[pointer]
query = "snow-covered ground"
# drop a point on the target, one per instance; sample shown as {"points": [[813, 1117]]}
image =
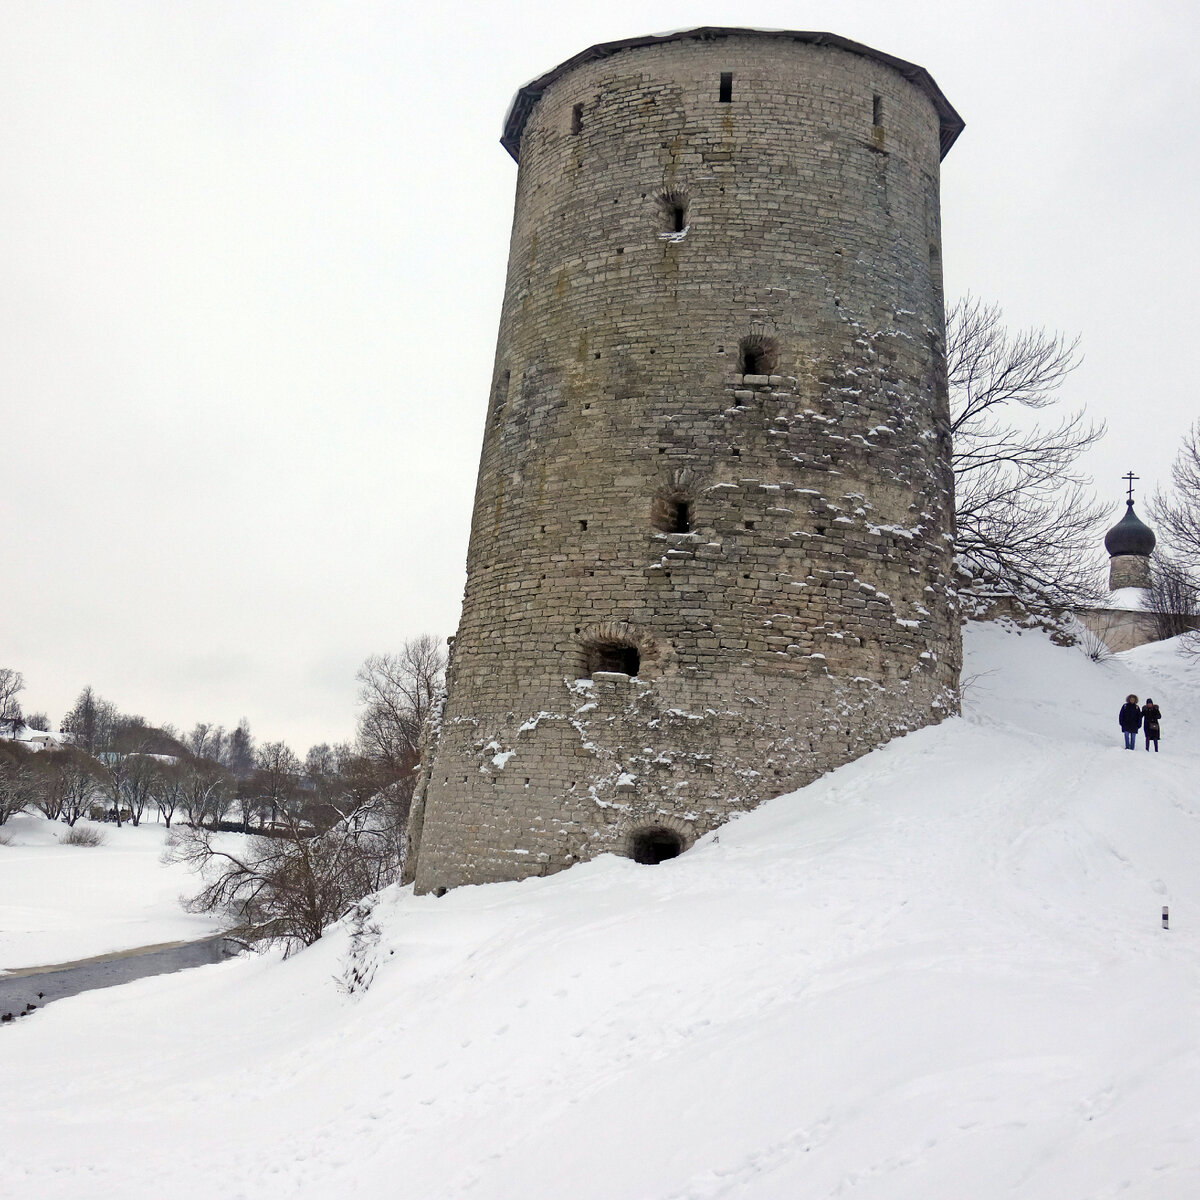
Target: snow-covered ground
{"points": [[939, 972], [61, 903]]}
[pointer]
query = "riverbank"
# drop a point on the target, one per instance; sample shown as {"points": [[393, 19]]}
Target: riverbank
{"points": [[60, 904]]}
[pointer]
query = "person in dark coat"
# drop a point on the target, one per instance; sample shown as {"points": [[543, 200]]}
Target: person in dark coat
{"points": [[1131, 721], [1151, 715]]}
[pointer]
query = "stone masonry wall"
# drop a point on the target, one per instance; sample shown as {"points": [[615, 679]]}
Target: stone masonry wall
{"points": [[772, 538]]}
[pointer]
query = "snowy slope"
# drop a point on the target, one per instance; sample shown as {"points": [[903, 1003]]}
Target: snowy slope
{"points": [[940, 972]]}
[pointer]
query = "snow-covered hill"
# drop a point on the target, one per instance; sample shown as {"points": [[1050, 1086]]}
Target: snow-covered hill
{"points": [[939, 972]]}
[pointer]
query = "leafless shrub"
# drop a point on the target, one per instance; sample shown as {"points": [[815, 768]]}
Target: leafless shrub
{"points": [[1093, 644], [82, 835], [284, 889]]}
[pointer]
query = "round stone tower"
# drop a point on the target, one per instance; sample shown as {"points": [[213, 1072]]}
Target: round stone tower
{"points": [[711, 549]]}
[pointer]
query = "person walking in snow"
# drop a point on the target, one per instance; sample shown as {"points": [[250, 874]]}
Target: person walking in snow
{"points": [[1131, 721], [1151, 715]]}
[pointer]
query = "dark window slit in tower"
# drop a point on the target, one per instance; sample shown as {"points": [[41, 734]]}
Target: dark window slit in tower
{"points": [[672, 514], [577, 119], [877, 111], [726, 93], [674, 203], [757, 355], [680, 516], [613, 656], [582, 526]]}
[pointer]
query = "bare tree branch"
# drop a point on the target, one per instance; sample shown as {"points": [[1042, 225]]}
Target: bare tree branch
{"points": [[1026, 521]]}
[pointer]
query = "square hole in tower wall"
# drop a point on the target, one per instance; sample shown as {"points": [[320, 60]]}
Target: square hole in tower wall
{"points": [[671, 514], [757, 355], [612, 656]]}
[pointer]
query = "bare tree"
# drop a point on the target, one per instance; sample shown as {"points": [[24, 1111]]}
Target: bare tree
{"points": [[1177, 513], [18, 786], [239, 751], [1174, 599], [204, 789], [207, 741], [283, 889], [397, 692], [67, 783], [1026, 520], [12, 683], [141, 783], [1174, 577], [277, 776], [91, 722], [168, 789]]}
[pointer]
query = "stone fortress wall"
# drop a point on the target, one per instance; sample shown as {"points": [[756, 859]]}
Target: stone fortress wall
{"points": [[710, 555]]}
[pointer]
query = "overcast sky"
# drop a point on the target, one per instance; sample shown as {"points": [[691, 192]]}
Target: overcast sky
{"points": [[253, 255]]}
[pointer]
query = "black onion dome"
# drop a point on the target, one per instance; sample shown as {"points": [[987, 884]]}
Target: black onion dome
{"points": [[1129, 535]]}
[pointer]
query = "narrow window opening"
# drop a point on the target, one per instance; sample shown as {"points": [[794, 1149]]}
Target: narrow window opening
{"points": [[672, 513], [749, 524], [655, 845], [577, 118], [622, 657], [757, 355], [726, 93], [583, 527], [877, 111], [674, 203]]}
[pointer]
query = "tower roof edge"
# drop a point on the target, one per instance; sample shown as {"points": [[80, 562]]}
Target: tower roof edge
{"points": [[951, 124]]}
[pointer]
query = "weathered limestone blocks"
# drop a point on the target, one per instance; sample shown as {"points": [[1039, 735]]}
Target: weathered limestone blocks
{"points": [[710, 555]]}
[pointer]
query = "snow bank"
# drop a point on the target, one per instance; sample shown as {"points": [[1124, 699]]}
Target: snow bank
{"points": [[938, 972]]}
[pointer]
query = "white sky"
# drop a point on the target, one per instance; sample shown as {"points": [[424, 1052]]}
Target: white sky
{"points": [[253, 256]]}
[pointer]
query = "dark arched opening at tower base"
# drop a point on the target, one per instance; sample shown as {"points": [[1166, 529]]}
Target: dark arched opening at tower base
{"points": [[654, 845]]}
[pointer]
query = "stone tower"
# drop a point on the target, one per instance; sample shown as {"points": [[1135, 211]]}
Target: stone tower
{"points": [[710, 555]]}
